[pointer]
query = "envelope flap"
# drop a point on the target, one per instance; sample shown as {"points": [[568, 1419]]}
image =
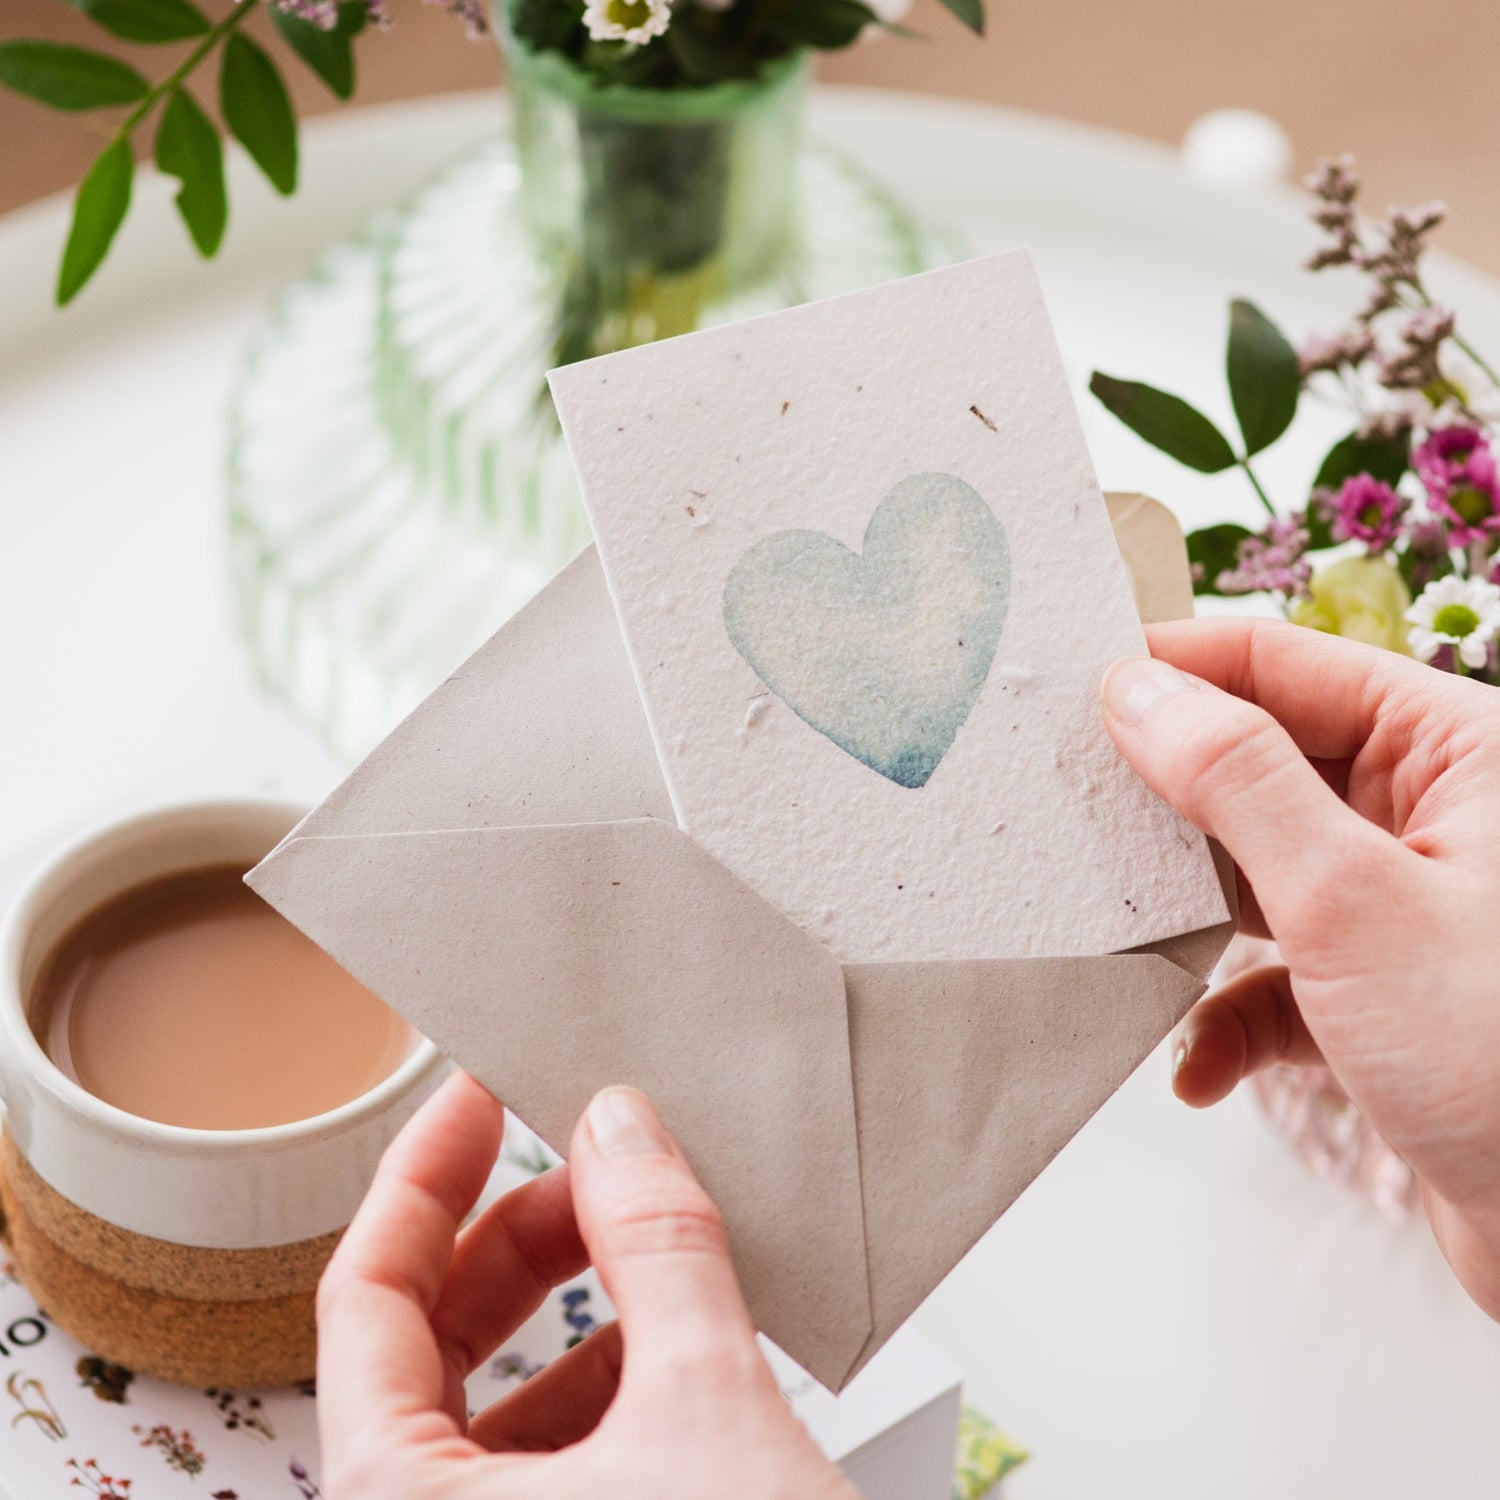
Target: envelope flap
{"points": [[551, 961], [969, 1078], [1155, 555], [542, 724]]}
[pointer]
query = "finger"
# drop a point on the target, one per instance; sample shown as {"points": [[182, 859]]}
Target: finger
{"points": [[1229, 768], [655, 1236], [378, 1360], [1327, 692], [560, 1406], [1252, 920], [1249, 1024], [505, 1265], [1336, 775]]}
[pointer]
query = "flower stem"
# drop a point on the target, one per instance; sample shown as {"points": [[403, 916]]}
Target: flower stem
{"points": [[221, 28], [1459, 339], [1265, 499]]}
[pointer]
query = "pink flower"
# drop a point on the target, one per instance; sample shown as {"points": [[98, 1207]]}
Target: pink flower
{"points": [[1365, 510], [1458, 468], [1335, 351], [1272, 560]]}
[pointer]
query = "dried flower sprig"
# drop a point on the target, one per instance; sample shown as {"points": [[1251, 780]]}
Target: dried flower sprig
{"points": [[1408, 503]]}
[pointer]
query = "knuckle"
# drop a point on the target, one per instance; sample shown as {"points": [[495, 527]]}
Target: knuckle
{"points": [[356, 1473], [1228, 756], [719, 1368], [662, 1217]]}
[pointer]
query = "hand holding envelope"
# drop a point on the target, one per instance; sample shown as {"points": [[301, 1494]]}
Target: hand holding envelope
{"points": [[870, 1019]]}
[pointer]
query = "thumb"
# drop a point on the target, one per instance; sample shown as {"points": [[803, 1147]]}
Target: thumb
{"points": [[655, 1236], [1230, 769]]}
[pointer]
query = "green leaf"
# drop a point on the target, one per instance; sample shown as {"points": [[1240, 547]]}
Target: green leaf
{"points": [[328, 53], [1417, 571], [1166, 422], [1215, 550], [827, 24], [1264, 383], [700, 53], [1384, 458], [257, 109], [69, 77], [146, 20], [1319, 526], [187, 148], [970, 12], [99, 209], [544, 25]]}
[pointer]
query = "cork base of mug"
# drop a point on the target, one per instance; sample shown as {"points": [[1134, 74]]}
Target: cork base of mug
{"points": [[238, 1318]]}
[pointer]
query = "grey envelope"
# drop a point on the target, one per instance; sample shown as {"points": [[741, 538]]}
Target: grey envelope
{"points": [[505, 871]]}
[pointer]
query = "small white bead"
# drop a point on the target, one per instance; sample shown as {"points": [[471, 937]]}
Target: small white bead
{"points": [[1237, 148]]}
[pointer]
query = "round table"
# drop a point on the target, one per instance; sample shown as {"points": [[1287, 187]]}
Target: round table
{"points": [[1176, 1307]]}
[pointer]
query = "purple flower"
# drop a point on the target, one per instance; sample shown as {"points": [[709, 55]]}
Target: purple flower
{"points": [[1273, 560], [1365, 510], [1331, 352], [1458, 468]]}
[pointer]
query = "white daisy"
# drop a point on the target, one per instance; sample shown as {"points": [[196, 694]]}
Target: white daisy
{"points": [[1460, 612], [627, 20], [887, 13]]}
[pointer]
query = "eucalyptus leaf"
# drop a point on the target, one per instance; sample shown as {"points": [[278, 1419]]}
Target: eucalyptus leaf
{"points": [[826, 24], [257, 109], [188, 148], [1264, 382], [147, 20], [328, 53], [1214, 549], [102, 201], [1384, 458], [970, 12], [1166, 422], [69, 77]]}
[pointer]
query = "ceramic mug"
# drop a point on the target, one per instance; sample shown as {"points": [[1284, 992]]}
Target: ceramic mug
{"points": [[191, 1255]]}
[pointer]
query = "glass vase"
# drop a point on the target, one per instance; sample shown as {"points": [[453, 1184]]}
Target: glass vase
{"points": [[398, 484], [657, 208]]}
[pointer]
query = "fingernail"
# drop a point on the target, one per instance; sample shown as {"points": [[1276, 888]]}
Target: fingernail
{"points": [[1179, 1058], [1134, 686], [623, 1123]]}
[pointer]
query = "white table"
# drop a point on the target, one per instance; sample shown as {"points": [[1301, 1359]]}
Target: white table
{"points": [[1175, 1309]]}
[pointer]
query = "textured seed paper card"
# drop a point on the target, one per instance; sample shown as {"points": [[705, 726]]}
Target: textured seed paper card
{"points": [[869, 589]]}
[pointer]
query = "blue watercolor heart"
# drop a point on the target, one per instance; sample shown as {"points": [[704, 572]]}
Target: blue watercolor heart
{"points": [[884, 652]]}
